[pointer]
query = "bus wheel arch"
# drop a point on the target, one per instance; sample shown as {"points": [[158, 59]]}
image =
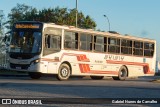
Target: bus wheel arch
{"points": [[64, 71], [122, 73], [126, 69]]}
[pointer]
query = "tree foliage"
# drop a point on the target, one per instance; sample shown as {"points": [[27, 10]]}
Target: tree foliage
{"points": [[1, 23], [61, 16]]}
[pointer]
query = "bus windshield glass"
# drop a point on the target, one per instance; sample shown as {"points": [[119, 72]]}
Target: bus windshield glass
{"points": [[24, 41]]}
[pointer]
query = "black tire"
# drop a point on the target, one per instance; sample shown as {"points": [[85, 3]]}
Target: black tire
{"points": [[63, 72], [35, 75], [122, 74], [97, 77]]}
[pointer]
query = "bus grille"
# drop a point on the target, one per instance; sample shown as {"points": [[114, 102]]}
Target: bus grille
{"points": [[21, 56], [21, 66]]}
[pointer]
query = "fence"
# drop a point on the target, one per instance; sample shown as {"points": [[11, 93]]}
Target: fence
{"points": [[3, 60], [4, 44]]}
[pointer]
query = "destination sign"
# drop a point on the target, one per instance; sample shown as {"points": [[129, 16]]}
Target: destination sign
{"points": [[27, 26]]}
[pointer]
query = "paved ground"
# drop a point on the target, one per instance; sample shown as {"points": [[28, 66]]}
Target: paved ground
{"points": [[48, 87]]}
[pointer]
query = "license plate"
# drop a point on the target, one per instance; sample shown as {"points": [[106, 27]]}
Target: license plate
{"points": [[18, 67]]}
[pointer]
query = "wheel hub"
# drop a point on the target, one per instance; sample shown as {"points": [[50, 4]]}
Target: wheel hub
{"points": [[64, 72]]}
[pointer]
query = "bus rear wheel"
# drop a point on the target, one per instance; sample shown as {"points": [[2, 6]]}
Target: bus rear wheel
{"points": [[97, 77], [63, 72], [122, 74], [34, 75]]}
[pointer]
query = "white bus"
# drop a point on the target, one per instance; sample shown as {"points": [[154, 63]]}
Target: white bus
{"points": [[45, 48]]}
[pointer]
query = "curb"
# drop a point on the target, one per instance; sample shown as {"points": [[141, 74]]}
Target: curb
{"points": [[9, 75]]}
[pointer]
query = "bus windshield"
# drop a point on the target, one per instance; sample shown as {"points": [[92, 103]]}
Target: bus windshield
{"points": [[26, 42]]}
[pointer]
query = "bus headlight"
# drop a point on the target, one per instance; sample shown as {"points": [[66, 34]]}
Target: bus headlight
{"points": [[36, 61]]}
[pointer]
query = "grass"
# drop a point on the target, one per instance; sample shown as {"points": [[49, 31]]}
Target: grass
{"points": [[156, 81], [10, 72]]}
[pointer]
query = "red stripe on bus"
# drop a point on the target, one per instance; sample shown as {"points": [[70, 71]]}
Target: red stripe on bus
{"points": [[146, 68], [126, 63], [49, 60], [88, 68], [150, 72], [84, 68], [80, 57], [81, 68], [104, 72], [85, 57]]}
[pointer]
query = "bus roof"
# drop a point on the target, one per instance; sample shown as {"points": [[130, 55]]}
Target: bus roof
{"points": [[90, 31]]}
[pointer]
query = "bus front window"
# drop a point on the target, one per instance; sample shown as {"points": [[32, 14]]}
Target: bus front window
{"points": [[26, 42]]}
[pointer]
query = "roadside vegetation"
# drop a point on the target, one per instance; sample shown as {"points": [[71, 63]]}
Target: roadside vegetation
{"points": [[57, 15]]}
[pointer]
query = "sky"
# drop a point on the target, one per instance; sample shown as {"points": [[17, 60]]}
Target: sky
{"points": [[139, 18]]}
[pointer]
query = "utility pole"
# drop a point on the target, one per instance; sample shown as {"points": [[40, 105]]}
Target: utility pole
{"points": [[76, 12]]}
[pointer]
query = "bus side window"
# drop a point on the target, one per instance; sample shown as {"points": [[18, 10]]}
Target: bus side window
{"points": [[138, 48], [52, 44], [100, 43], [126, 46], [113, 45], [48, 41], [70, 40], [148, 49], [86, 42]]}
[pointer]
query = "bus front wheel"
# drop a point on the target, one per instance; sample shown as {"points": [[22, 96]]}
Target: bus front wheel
{"points": [[34, 75], [122, 74], [63, 72]]}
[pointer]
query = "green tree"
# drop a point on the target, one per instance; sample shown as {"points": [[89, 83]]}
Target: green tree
{"points": [[31, 15], [17, 13], [1, 23], [61, 16]]}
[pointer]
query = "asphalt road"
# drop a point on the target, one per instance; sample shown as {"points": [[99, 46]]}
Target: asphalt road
{"points": [[48, 87]]}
